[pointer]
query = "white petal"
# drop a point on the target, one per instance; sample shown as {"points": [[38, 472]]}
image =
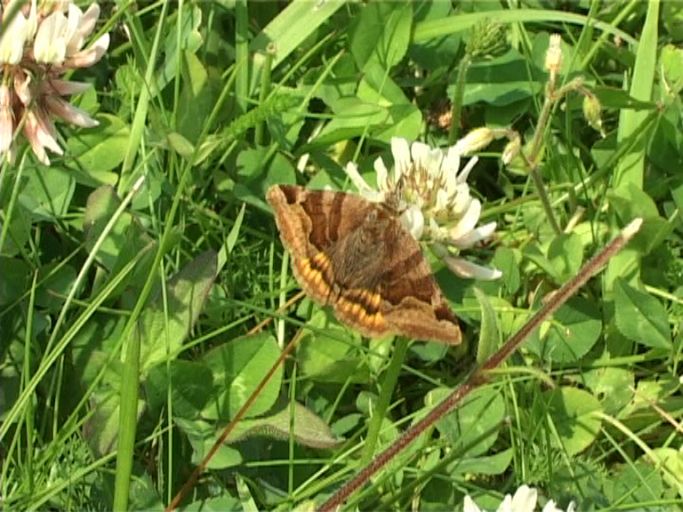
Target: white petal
{"points": [[67, 88], [12, 41], [72, 36], [468, 505], [68, 112], [550, 507], [468, 221], [438, 235], [449, 168], [474, 236], [89, 20], [32, 21], [462, 200], [88, 57], [413, 220], [49, 46], [433, 164], [464, 174], [419, 151], [451, 161], [505, 505], [358, 181], [524, 499], [470, 270], [382, 175], [442, 200], [401, 152]]}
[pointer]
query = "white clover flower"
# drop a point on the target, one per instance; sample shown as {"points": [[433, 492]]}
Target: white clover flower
{"points": [[40, 45], [524, 500], [429, 190]]}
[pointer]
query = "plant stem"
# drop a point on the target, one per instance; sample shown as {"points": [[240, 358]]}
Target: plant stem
{"points": [[456, 102], [478, 376], [386, 392], [259, 130], [532, 160]]}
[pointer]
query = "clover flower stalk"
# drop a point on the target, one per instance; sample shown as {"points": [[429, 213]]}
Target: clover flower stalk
{"points": [[430, 191], [40, 44]]}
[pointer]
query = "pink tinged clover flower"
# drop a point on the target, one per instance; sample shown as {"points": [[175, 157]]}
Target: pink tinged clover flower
{"points": [[40, 45], [430, 191]]}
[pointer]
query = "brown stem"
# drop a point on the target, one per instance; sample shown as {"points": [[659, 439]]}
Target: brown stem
{"points": [[189, 483], [478, 376]]}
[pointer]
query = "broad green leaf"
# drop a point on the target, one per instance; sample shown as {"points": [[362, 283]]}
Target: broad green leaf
{"points": [[180, 145], [190, 384], [346, 424], [289, 29], [630, 202], [640, 317], [17, 230], [669, 463], [187, 35], [572, 412], [486, 465], [101, 430], [472, 427], [381, 34], [649, 391], [163, 328], [611, 98], [47, 192], [405, 121], [55, 288], [565, 255], [224, 503], [309, 429], [377, 88], [353, 116], [126, 238], [631, 167], [198, 98], [329, 352], [500, 81], [634, 484], [238, 367], [572, 332], [257, 171], [202, 437], [672, 19], [613, 386], [99, 150], [15, 278], [507, 261], [488, 333], [460, 22]]}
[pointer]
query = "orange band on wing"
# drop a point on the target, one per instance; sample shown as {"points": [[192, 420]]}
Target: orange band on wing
{"points": [[358, 313], [311, 273]]}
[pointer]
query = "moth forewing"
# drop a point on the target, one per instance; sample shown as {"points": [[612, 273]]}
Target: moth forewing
{"points": [[355, 256]]}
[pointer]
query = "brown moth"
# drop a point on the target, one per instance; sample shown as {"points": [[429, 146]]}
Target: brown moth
{"points": [[355, 256]]}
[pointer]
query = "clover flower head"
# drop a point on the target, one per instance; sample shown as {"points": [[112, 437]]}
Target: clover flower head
{"points": [[524, 500], [42, 43], [430, 192]]}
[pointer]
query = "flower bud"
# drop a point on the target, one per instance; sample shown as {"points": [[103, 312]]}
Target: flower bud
{"points": [[511, 150], [592, 112], [475, 140], [553, 56]]}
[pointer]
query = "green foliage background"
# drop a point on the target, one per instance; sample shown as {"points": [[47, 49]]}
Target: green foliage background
{"points": [[104, 287]]}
